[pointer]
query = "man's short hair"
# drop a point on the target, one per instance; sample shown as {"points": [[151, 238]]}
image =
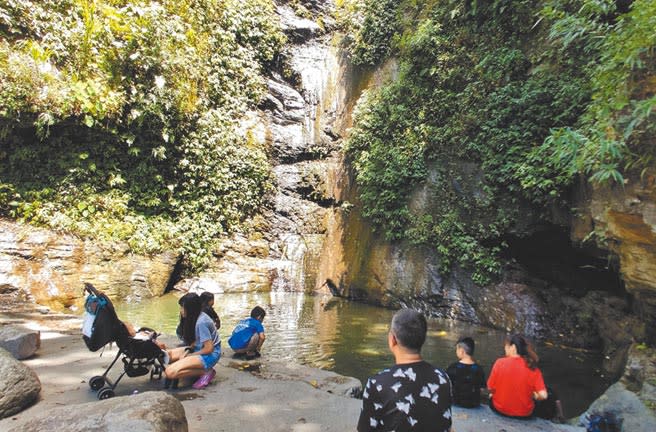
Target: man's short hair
{"points": [[257, 312], [467, 344], [409, 328]]}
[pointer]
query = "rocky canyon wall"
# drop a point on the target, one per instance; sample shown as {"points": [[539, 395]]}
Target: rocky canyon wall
{"points": [[50, 268]]}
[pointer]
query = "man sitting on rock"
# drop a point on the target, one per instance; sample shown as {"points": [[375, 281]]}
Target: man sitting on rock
{"points": [[413, 395], [248, 336]]}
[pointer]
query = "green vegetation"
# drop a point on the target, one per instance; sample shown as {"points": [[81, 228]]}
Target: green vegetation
{"points": [[615, 136], [499, 106], [369, 26], [119, 119]]}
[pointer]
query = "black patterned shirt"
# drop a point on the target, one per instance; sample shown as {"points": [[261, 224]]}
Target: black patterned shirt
{"points": [[408, 397]]}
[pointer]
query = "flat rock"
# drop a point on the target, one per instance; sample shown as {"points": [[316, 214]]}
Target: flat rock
{"points": [[145, 412], [327, 381], [21, 342], [19, 385]]}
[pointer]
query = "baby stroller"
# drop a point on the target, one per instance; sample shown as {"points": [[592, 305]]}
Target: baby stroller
{"points": [[101, 327]]}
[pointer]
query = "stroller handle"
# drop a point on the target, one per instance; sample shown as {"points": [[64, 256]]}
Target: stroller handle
{"points": [[91, 289]]}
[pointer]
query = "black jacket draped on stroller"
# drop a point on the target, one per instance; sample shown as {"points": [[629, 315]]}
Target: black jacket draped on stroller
{"points": [[139, 355]]}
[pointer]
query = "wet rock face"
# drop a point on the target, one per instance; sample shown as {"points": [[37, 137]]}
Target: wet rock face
{"points": [[50, 267], [623, 221], [295, 121], [19, 385], [406, 276]]}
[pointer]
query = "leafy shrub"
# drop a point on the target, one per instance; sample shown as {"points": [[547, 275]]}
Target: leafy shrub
{"points": [[473, 92], [615, 135], [370, 26], [118, 118]]}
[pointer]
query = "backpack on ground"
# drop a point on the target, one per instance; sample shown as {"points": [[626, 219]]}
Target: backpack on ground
{"points": [[603, 422]]}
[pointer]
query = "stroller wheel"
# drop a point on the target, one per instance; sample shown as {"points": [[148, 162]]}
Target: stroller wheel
{"points": [[156, 372], [105, 393], [96, 383]]}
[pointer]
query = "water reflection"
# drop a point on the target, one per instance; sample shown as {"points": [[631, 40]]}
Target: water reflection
{"points": [[350, 338]]}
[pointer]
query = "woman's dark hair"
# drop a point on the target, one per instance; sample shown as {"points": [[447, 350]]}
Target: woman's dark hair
{"points": [[206, 297], [184, 298], [524, 349], [181, 301], [257, 312], [192, 307]]}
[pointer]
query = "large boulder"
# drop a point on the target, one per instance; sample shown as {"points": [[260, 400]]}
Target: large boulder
{"points": [[633, 398], [19, 385], [145, 412], [21, 342]]}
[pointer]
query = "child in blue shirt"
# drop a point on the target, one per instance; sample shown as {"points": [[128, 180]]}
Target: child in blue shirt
{"points": [[248, 336]]}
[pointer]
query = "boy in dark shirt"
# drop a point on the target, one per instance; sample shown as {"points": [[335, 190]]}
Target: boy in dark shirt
{"points": [[467, 377]]}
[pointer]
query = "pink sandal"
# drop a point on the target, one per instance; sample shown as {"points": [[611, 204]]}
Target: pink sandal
{"points": [[204, 380]]}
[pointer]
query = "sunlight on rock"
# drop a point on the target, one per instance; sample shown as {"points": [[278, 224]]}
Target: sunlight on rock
{"points": [[437, 333], [256, 409], [306, 427], [47, 335]]}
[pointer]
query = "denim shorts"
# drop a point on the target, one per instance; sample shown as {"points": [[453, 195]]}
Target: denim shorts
{"points": [[209, 360]]}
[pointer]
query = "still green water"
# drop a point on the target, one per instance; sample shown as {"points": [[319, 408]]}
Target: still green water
{"points": [[350, 338]]}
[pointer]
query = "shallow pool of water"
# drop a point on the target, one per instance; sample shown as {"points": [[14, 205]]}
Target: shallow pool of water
{"points": [[351, 339]]}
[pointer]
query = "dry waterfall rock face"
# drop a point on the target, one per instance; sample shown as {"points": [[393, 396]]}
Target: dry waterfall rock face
{"points": [[21, 342], [50, 267], [145, 412], [19, 385]]}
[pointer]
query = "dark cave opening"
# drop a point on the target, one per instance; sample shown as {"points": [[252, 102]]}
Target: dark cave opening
{"points": [[550, 255]]}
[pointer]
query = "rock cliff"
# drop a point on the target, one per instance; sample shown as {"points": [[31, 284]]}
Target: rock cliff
{"points": [[49, 267]]}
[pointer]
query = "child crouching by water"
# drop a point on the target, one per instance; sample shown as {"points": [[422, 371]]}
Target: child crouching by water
{"points": [[248, 336]]}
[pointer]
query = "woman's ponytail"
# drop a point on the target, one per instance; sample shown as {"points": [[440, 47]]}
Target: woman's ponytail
{"points": [[524, 349]]}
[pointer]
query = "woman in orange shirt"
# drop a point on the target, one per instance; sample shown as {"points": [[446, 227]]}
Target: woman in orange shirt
{"points": [[515, 382]]}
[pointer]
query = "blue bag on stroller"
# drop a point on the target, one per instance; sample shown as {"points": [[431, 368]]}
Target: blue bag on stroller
{"points": [[101, 327]]}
